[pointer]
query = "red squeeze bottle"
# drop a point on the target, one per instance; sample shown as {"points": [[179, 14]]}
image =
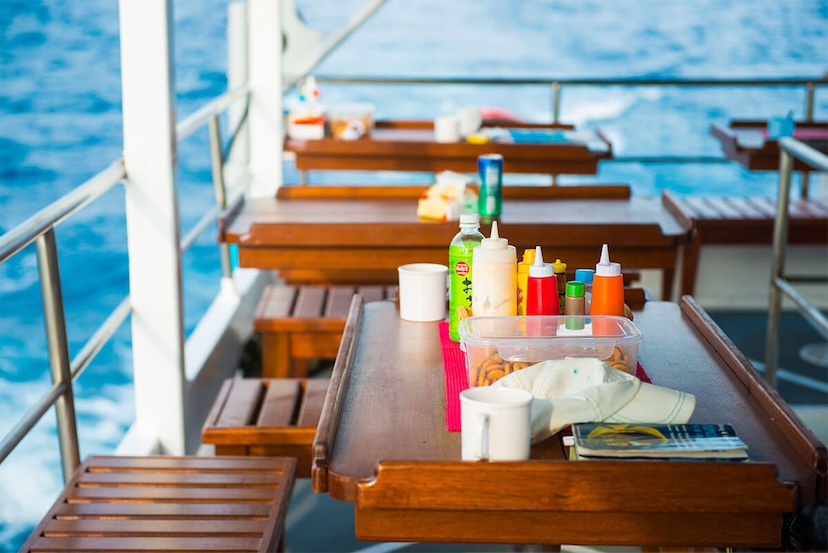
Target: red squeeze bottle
{"points": [[542, 288], [607, 294]]}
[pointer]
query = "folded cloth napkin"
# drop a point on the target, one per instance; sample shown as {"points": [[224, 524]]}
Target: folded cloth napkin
{"points": [[569, 391]]}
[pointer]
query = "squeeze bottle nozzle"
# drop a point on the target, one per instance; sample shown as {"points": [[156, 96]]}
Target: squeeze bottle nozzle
{"points": [[539, 269], [494, 241], [605, 267]]}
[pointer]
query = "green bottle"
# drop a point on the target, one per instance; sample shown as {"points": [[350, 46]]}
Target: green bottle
{"points": [[461, 251]]}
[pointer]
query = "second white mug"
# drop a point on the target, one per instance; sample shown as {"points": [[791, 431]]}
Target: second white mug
{"points": [[496, 424]]}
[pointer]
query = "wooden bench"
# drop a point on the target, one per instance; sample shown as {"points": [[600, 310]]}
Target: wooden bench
{"points": [[298, 323], [170, 504], [742, 220], [267, 417]]}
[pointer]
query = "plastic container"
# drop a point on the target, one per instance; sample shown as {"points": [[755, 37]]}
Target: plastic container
{"points": [[350, 121], [542, 288], [497, 346], [494, 284], [461, 253]]}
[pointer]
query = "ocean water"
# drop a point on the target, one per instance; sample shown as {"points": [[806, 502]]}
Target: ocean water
{"points": [[60, 124]]}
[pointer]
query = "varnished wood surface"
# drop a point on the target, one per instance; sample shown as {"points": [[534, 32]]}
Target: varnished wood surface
{"points": [[410, 146], [743, 143], [365, 235], [169, 504], [382, 444], [273, 417]]}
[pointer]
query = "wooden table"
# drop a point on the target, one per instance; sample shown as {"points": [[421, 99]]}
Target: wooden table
{"points": [[362, 234], [382, 444], [747, 143], [410, 146]]}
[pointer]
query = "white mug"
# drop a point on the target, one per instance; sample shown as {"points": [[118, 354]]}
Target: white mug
{"points": [[496, 423], [447, 128], [423, 291]]}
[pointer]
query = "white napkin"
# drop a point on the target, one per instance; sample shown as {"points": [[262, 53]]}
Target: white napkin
{"points": [[569, 391]]}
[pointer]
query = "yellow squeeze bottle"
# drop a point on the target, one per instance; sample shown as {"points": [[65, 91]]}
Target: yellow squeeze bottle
{"points": [[523, 279]]}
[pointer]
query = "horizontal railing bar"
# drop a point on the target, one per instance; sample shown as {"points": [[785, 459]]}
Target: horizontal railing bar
{"points": [[804, 152], [667, 159], [197, 229], [50, 216], [798, 81], [30, 419], [199, 118], [818, 321], [100, 337]]}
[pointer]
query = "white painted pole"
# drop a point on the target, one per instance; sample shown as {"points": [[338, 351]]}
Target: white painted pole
{"points": [[265, 74], [153, 231], [237, 75]]}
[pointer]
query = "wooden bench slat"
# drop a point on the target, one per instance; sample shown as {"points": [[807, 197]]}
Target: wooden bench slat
{"points": [[369, 294], [195, 528], [173, 494], [280, 403], [241, 403], [187, 463], [339, 301], [178, 479], [172, 511], [177, 544], [310, 302], [314, 398], [277, 301]]}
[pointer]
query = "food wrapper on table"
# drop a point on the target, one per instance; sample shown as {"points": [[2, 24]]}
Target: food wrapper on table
{"points": [[447, 198]]}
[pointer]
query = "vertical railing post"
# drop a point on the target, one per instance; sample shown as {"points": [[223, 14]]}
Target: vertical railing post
{"points": [[556, 102], [237, 75], [58, 349], [805, 178], [780, 239], [152, 217], [264, 23], [219, 189]]}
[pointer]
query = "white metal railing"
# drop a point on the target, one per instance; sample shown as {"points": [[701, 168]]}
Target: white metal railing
{"points": [[781, 283]]}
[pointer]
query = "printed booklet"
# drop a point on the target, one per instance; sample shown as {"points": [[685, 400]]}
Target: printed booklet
{"points": [[666, 441]]}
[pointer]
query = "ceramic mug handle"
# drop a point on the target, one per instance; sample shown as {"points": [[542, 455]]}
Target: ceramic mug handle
{"points": [[484, 438]]}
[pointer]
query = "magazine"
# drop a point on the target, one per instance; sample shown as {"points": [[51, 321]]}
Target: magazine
{"points": [[666, 441]]}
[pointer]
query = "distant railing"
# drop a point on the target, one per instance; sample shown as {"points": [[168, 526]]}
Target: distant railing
{"points": [[557, 85], [40, 229]]}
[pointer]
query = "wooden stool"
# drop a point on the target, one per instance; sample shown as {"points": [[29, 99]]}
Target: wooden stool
{"points": [[270, 417], [299, 323], [170, 504]]}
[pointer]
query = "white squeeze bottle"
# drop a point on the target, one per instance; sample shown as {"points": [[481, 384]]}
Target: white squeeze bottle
{"points": [[494, 280]]}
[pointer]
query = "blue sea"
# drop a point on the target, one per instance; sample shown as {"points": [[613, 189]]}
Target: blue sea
{"points": [[60, 124]]}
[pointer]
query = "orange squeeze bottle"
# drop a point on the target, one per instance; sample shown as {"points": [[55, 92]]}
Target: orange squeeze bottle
{"points": [[607, 293]]}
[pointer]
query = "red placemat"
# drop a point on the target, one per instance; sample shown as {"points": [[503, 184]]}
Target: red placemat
{"points": [[457, 377]]}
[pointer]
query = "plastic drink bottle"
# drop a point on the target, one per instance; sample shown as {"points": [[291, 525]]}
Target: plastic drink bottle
{"points": [[461, 253], [490, 170], [607, 293], [575, 304], [542, 288], [560, 275], [523, 279], [586, 276], [494, 284]]}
